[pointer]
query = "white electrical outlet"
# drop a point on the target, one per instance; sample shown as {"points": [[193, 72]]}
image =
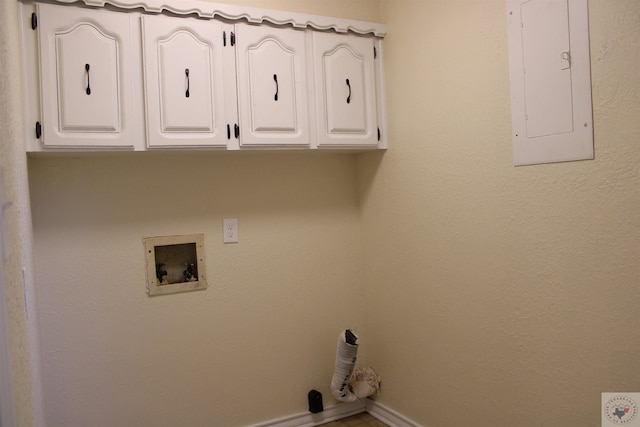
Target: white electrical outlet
{"points": [[230, 230]]}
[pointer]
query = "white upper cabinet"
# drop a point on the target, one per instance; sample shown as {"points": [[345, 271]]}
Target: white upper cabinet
{"points": [[272, 85], [184, 69], [345, 90], [200, 76], [85, 77]]}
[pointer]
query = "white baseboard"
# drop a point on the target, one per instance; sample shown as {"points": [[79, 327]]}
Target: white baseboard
{"points": [[388, 415], [307, 419], [342, 410]]}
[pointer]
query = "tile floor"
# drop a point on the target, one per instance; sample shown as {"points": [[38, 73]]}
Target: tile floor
{"points": [[360, 420]]}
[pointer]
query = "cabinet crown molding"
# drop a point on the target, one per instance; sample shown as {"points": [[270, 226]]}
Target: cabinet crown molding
{"points": [[233, 12]]}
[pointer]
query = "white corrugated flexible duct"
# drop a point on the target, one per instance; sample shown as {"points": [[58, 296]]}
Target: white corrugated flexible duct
{"points": [[350, 383]]}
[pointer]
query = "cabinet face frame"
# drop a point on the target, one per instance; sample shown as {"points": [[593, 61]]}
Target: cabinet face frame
{"points": [[134, 119]]}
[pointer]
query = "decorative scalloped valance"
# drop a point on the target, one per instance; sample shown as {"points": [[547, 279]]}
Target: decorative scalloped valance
{"points": [[250, 14]]}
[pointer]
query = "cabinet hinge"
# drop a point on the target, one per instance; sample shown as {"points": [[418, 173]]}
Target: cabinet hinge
{"points": [[38, 130], [375, 53], [232, 38], [236, 130], [378, 134], [34, 21], [224, 38]]}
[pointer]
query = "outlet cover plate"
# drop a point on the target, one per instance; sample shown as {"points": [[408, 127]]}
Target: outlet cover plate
{"points": [[230, 230]]}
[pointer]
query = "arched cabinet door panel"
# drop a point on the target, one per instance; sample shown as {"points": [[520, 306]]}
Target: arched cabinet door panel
{"points": [[345, 89], [271, 76], [184, 82], [86, 77]]}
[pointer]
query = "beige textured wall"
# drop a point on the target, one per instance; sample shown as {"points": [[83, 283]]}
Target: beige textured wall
{"points": [[498, 295], [490, 295], [245, 350]]}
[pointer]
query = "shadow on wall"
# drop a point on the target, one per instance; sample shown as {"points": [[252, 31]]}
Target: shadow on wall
{"points": [[367, 168]]}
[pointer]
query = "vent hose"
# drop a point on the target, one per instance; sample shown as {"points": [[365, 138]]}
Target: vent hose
{"points": [[347, 385]]}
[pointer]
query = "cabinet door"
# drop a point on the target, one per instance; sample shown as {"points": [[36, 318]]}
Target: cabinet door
{"points": [[184, 86], [271, 75], [345, 89], [86, 77]]}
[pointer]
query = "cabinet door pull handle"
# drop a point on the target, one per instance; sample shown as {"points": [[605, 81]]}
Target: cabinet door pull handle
{"points": [[349, 97], [186, 72], [86, 67], [275, 78]]}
